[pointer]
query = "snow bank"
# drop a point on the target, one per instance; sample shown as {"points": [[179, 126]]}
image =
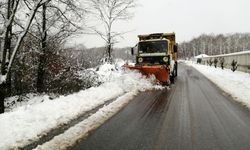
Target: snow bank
{"points": [[201, 56], [82, 129], [12, 103], [237, 83], [26, 123], [2, 78]]}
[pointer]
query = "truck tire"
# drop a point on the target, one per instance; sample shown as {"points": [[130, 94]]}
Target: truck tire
{"points": [[172, 77], [174, 73], [176, 69]]}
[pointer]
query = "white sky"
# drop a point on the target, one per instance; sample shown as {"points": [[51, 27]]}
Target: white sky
{"points": [[187, 18]]}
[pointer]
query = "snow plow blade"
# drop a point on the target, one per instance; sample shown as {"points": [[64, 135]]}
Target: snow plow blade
{"points": [[160, 72]]}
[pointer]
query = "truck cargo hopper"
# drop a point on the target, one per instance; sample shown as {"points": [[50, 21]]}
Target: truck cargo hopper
{"points": [[159, 71]]}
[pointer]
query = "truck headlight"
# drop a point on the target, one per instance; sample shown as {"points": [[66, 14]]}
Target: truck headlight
{"points": [[140, 59], [165, 59]]}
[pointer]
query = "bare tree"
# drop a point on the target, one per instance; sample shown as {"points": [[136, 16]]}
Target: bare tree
{"points": [[5, 48], [52, 17], [42, 58], [55, 21], [6, 63], [108, 12], [7, 40]]}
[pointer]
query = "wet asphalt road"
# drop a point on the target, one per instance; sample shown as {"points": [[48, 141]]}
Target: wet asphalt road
{"points": [[193, 114]]}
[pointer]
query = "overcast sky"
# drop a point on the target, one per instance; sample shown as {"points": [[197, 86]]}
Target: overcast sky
{"points": [[187, 18]]}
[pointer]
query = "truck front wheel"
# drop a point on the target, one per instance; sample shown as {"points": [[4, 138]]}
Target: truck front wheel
{"points": [[174, 73], [175, 68]]}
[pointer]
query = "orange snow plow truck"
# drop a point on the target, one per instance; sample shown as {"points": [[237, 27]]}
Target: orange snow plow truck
{"points": [[156, 54]]}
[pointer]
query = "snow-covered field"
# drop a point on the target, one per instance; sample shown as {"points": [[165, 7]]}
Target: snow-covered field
{"points": [[237, 83], [29, 121]]}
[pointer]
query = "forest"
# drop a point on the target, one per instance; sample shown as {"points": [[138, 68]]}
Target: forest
{"points": [[214, 44]]}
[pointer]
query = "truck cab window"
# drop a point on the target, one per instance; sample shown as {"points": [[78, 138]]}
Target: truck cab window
{"points": [[153, 46]]}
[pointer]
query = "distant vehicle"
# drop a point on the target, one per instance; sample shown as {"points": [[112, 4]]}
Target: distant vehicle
{"points": [[156, 54]]}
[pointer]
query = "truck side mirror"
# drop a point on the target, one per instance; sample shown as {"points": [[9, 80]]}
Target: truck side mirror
{"points": [[132, 51], [175, 48]]}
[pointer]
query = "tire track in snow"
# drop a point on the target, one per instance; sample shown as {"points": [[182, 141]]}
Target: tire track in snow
{"points": [[63, 127], [82, 129]]}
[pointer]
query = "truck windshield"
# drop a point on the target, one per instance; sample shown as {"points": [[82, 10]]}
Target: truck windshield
{"points": [[153, 47]]}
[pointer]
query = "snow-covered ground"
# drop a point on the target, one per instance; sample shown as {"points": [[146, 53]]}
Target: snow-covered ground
{"points": [[237, 83], [13, 103], [81, 130], [29, 121]]}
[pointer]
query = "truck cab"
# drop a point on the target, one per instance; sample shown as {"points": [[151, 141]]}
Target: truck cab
{"points": [[152, 52], [157, 49]]}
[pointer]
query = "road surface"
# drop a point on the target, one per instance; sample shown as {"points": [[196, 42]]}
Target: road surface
{"points": [[192, 115]]}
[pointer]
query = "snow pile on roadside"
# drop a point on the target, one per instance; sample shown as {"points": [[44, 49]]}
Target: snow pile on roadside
{"points": [[14, 102], [27, 123], [82, 129], [90, 77], [235, 83], [2, 78]]}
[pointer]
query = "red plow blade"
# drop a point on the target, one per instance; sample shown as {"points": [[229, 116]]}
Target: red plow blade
{"points": [[160, 71]]}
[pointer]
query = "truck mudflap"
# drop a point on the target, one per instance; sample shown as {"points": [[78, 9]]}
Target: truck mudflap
{"points": [[159, 71]]}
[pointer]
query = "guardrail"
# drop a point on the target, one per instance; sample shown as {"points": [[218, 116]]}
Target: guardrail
{"points": [[235, 61]]}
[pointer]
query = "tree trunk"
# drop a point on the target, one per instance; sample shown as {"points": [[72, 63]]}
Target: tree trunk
{"points": [[5, 71], [9, 51], [6, 57], [109, 46], [2, 96], [109, 51], [42, 58]]}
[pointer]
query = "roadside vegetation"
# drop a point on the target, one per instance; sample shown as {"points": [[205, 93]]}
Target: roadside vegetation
{"points": [[33, 33]]}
